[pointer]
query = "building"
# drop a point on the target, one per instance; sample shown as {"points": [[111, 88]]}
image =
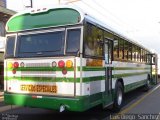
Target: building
{"points": [[5, 14], [3, 3]]}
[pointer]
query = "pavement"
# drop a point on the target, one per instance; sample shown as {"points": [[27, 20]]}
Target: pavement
{"points": [[144, 108]]}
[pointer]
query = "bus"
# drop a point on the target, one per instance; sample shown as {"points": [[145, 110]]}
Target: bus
{"points": [[64, 59]]}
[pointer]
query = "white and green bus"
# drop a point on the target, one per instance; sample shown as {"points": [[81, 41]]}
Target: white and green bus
{"points": [[63, 59]]}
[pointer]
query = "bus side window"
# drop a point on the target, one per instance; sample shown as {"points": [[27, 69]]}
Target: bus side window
{"points": [[10, 46], [73, 40], [93, 41], [115, 50]]}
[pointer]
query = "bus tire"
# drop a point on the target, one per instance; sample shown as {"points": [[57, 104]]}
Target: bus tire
{"points": [[119, 95], [147, 85]]}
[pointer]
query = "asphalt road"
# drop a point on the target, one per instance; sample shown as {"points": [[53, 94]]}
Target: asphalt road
{"points": [[137, 103]]}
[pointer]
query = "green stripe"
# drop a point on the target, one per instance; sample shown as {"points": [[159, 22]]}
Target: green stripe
{"points": [[134, 85], [52, 79], [128, 74], [57, 69], [84, 68], [130, 68], [90, 79], [113, 68], [42, 79], [64, 79]]}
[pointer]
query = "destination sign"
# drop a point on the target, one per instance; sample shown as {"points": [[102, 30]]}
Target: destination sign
{"points": [[39, 88]]}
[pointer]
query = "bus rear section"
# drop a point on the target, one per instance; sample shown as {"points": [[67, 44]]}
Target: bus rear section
{"points": [[47, 83], [42, 69]]}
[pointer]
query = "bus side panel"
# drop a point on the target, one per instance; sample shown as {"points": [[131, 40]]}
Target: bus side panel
{"points": [[93, 80], [134, 75]]}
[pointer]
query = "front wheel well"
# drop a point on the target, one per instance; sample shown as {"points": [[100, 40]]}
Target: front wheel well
{"points": [[121, 81]]}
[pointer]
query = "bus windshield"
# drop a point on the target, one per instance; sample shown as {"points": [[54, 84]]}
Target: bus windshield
{"points": [[48, 44]]}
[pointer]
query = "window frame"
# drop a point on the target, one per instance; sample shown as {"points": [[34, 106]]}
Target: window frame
{"points": [[14, 52]]}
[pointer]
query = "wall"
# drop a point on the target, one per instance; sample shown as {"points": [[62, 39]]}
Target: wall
{"points": [[3, 3]]}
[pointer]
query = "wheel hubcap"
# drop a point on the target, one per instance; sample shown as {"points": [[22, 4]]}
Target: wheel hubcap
{"points": [[120, 97], [148, 82]]}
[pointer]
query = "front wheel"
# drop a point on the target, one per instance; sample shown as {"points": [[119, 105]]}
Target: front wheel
{"points": [[119, 94]]}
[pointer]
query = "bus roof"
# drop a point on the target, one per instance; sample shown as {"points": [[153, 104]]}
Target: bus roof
{"points": [[57, 16], [44, 18]]}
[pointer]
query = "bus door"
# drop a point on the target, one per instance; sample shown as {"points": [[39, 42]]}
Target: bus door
{"points": [[154, 68], [108, 53], [152, 61]]}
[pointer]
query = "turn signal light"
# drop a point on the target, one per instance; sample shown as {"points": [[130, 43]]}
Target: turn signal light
{"points": [[10, 65], [69, 64], [61, 64]]}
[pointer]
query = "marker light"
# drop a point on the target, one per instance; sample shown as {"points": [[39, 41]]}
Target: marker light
{"points": [[15, 64], [33, 11], [44, 8], [54, 64], [61, 64], [10, 65], [69, 64], [38, 10], [64, 71]]}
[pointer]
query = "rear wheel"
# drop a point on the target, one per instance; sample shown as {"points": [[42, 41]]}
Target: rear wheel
{"points": [[119, 94], [147, 85]]}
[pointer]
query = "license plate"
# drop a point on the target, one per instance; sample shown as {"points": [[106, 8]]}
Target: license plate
{"points": [[39, 88]]}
